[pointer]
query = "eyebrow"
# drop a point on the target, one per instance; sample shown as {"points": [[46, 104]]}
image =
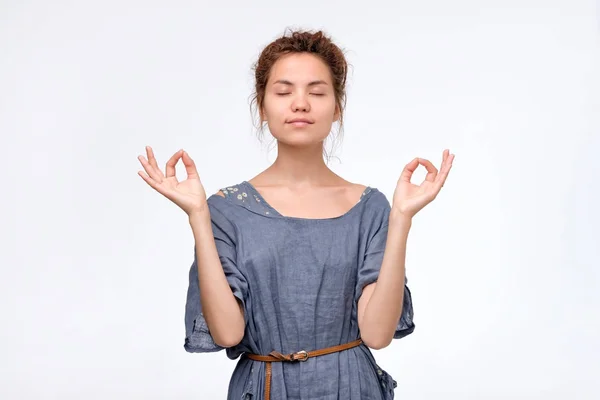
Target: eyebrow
{"points": [[311, 83]]}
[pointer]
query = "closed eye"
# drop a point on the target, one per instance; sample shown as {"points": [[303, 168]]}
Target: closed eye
{"points": [[314, 94]]}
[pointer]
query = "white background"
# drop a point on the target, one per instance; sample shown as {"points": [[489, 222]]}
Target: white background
{"points": [[503, 265]]}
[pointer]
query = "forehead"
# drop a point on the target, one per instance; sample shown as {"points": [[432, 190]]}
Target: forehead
{"points": [[300, 68]]}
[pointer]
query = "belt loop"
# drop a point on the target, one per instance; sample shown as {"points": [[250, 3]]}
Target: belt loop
{"points": [[301, 355]]}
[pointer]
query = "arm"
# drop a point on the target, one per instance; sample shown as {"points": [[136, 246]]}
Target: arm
{"points": [[380, 305], [222, 311]]}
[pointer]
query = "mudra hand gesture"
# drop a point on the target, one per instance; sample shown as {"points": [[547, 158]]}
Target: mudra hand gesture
{"points": [[410, 198], [189, 194]]}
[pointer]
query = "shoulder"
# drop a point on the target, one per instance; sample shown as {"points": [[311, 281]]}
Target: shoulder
{"points": [[221, 207], [236, 196], [376, 207], [227, 192], [375, 199]]}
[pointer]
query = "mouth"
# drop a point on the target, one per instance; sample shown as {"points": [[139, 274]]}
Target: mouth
{"points": [[299, 122]]}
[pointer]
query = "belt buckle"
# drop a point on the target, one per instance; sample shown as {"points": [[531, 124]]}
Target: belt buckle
{"points": [[302, 353]]}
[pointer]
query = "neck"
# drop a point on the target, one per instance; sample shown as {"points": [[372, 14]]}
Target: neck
{"points": [[304, 166]]}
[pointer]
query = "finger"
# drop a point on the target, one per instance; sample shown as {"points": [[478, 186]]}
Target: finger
{"points": [[431, 169], [153, 184], [170, 169], [152, 160], [444, 156], [409, 169], [190, 166], [443, 175], [150, 170], [156, 185]]}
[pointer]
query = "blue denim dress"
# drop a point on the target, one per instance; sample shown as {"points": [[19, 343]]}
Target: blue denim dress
{"points": [[299, 281]]}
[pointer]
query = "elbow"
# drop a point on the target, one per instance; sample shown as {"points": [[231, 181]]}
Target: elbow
{"points": [[227, 341], [230, 336], [378, 345], [377, 342], [230, 332]]}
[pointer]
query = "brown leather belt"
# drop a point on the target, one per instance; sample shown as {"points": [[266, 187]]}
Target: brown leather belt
{"points": [[301, 355]]}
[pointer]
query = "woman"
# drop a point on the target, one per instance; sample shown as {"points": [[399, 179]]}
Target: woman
{"points": [[297, 270]]}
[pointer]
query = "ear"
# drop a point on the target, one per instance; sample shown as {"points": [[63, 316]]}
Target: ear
{"points": [[262, 115], [336, 114]]}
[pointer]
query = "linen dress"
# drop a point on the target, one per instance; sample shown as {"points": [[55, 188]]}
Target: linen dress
{"points": [[299, 281]]}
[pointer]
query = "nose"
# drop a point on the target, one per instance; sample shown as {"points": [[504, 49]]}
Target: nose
{"points": [[300, 103]]}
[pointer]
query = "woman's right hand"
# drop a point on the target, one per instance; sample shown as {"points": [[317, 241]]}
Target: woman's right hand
{"points": [[189, 195]]}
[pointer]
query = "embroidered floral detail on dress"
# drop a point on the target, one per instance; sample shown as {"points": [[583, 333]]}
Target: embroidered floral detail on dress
{"points": [[364, 193], [386, 381]]}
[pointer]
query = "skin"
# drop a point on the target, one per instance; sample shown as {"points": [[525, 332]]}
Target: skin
{"points": [[300, 184]]}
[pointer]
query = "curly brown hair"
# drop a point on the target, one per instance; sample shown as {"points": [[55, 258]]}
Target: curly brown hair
{"points": [[300, 41]]}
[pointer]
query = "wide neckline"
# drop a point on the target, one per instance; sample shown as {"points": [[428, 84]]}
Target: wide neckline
{"points": [[276, 214]]}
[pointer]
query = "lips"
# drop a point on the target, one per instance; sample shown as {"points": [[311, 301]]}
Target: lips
{"points": [[300, 121]]}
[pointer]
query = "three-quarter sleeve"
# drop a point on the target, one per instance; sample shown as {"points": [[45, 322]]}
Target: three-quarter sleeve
{"points": [[370, 265], [198, 338]]}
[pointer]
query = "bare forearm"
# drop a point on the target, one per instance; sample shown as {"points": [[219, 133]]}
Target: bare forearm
{"points": [[384, 307], [220, 307]]}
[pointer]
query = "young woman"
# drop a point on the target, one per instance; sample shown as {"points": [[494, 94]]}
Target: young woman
{"points": [[299, 272]]}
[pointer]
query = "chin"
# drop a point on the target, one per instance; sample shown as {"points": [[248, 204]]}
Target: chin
{"points": [[299, 137]]}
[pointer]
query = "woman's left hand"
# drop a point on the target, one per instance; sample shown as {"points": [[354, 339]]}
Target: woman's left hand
{"points": [[409, 198]]}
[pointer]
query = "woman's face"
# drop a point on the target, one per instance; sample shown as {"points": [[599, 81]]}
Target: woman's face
{"points": [[300, 89]]}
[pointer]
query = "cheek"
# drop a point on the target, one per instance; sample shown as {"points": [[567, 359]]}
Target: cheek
{"points": [[273, 109], [327, 110]]}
